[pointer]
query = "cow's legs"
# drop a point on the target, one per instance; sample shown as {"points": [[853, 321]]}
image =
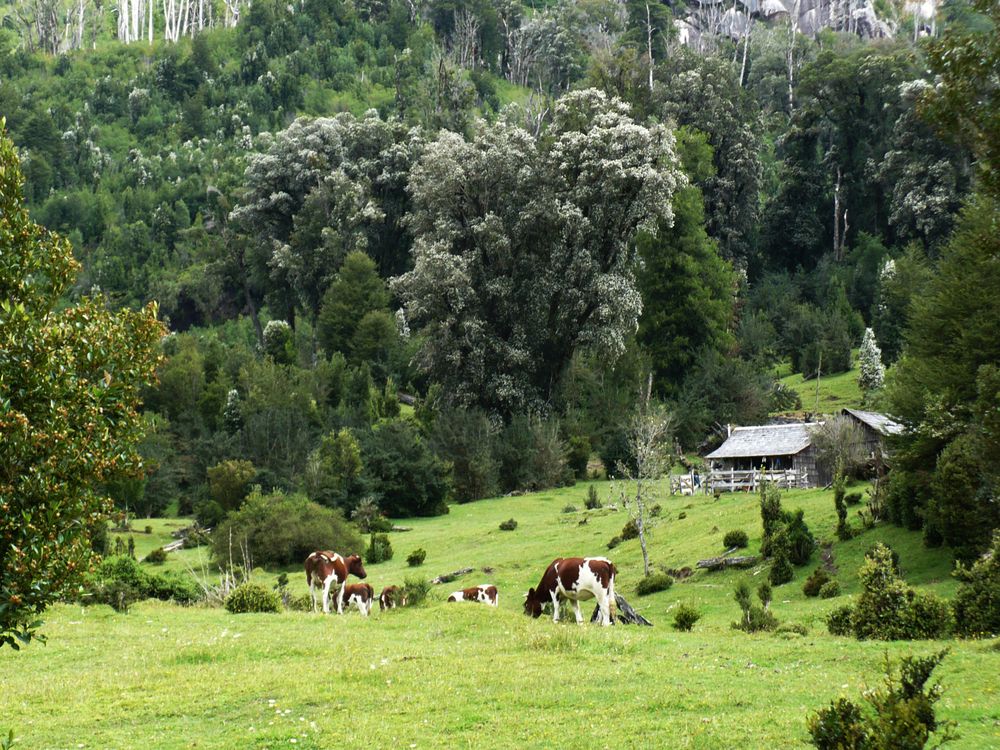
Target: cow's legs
{"points": [[555, 606], [576, 611], [326, 594], [340, 599], [312, 593], [602, 602]]}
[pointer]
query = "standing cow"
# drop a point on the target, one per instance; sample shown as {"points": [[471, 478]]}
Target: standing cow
{"points": [[484, 593], [325, 570], [391, 597], [360, 595], [576, 579]]}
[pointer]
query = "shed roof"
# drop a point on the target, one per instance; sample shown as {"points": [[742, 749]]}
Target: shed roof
{"points": [[766, 440], [878, 422]]}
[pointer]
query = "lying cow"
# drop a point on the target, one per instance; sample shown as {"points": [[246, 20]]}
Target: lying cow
{"points": [[326, 570], [391, 597], [576, 579], [360, 595], [485, 593]]}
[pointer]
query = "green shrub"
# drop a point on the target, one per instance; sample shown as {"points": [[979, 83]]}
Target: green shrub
{"points": [[614, 542], [593, 502], [685, 617], [578, 454], [652, 583], [630, 530], [416, 557], [754, 619], [158, 556], [401, 470], [977, 602], [569, 509], [655, 511], [853, 498], [301, 603], [899, 715], [801, 543], [509, 525], [175, 586], [379, 549], [415, 591], [894, 556], [209, 514], [781, 567], [840, 621], [682, 515], [792, 627], [229, 483], [120, 582], [737, 538], [252, 597], [816, 580], [829, 590], [279, 529], [465, 439], [148, 529]]}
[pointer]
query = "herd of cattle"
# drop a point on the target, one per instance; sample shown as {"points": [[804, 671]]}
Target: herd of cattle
{"points": [[573, 578]]}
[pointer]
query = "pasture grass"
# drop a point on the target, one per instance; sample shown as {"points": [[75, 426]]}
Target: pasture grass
{"points": [[835, 391], [466, 675]]}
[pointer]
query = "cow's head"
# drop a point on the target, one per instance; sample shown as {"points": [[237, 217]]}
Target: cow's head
{"points": [[354, 566], [532, 603]]}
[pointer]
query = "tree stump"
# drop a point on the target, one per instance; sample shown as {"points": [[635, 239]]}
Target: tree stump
{"points": [[449, 577], [626, 615]]}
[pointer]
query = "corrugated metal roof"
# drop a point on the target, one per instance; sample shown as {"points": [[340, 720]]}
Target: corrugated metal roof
{"points": [[878, 422], [766, 440]]}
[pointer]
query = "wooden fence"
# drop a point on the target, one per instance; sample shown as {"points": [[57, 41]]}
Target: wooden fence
{"points": [[737, 480]]}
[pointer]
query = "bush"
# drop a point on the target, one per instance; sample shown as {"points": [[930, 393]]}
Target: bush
{"points": [[801, 542], [120, 582], [593, 502], [402, 472], [252, 597], [977, 603], [415, 591], [899, 715], [685, 617], [792, 627], [652, 583], [816, 580], [578, 454], [379, 549], [175, 586], [682, 515], [209, 514], [853, 498], [465, 439], [148, 529], [829, 590], [279, 529], [569, 509], [655, 511], [229, 483], [872, 552], [630, 530], [839, 622], [157, 557], [781, 567], [509, 525], [736, 538], [416, 557], [754, 619], [614, 542]]}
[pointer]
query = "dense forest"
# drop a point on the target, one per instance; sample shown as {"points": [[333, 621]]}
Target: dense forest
{"points": [[410, 252]]}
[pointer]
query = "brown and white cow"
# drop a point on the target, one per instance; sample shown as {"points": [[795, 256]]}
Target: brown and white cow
{"points": [[391, 597], [484, 592], [360, 595], [326, 570], [576, 579]]}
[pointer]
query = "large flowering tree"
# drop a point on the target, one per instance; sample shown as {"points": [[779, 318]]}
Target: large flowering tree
{"points": [[69, 393], [523, 248]]}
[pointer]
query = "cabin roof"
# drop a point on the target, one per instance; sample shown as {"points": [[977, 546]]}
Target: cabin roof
{"points": [[878, 422], [766, 440]]}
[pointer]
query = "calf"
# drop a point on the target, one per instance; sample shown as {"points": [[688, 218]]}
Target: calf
{"points": [[391, 597], [576, 579], [326, 570], [359, 594], [484, 593]]}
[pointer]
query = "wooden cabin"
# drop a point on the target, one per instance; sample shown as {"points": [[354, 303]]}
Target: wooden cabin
{"points": [[876, 427], [785, 451]]}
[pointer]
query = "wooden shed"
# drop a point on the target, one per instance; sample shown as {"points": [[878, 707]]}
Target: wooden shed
{"points": [[785, 451], [876, 427]]}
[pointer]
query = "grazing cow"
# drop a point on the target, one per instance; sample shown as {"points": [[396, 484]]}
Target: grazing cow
{"points": [[391, 597], [484, 593], [326, 569], [359, 594], [574, 578]]}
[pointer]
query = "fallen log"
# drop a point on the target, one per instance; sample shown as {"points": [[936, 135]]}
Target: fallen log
{"points": [[626, 615], [401, 528], [448, 577], [718, 563]]}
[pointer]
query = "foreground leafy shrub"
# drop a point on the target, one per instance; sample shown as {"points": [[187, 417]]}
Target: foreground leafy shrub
{"points": [[899, 715], [379, 549], [509, 525], [593, 502], [279, 529], [801, 543], [252, 597], [829, 590], [176, 586], [157, 556], [569, 509], [738, 539], [630, 530], [816, 580], [754, 619], [685, 617], [416, 557], [977, 603], [415, 591], [652, 583], [781, 567], [120, 582], [839, 622]]}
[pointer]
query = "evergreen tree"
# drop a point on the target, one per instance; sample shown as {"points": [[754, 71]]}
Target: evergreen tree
{"points": [[872, 373]]}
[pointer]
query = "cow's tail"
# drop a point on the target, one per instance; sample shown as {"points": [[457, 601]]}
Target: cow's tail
{"points": [[612, 600]]}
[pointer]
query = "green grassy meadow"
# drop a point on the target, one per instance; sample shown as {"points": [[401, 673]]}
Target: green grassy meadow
{"points": [[835, 391], [466, 675]]}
